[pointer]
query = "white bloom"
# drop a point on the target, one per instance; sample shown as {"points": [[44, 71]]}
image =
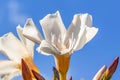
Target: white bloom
{"points": [[58, 40], [15, 50]]}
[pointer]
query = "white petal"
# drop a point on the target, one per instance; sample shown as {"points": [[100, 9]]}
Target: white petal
{"points": [[28, 43], [90, 33], [7, 67], [47, 49], [85, 37], [86, 19], [52, 25], [81, 40], [76, 33], [73, 30], [31, 32], [100, 73], [87, 32], [12, 47], [11, 75]]}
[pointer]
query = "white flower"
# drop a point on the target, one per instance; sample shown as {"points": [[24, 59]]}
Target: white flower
{"points": [[15, 50], [58, 41]]}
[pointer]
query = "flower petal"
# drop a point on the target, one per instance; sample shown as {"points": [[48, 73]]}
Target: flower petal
{"points": [[100, 73], [53, 26], [73, 30], [85, 37], [47, 49], [11, 75], [86, 19], [90, 33], [12, 47], [31, 32], [76, 33], [7, 67], [86, 31], [28, 43]]}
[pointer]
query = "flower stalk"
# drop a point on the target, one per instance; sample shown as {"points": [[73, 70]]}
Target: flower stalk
{"points": [[62, 64], [63, 76]]}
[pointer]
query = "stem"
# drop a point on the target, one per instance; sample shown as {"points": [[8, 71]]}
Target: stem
{"points": [[62, 76], [62, 65]]}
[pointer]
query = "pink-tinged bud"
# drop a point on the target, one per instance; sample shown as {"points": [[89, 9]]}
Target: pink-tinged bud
{"points": [[56, 74], [100, 73], [25, 71], [112, 68], [54, 69], [37, 75], [70, 78]]}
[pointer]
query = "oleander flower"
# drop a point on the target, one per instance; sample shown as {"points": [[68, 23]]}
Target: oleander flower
{"points": [[16, 51], [59, 42]]}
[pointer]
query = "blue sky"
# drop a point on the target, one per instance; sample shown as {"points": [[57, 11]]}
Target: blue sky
{"points": [[85, 62]]}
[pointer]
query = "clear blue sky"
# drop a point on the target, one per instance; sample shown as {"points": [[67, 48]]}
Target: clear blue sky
{"points": [[85, 62]]}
